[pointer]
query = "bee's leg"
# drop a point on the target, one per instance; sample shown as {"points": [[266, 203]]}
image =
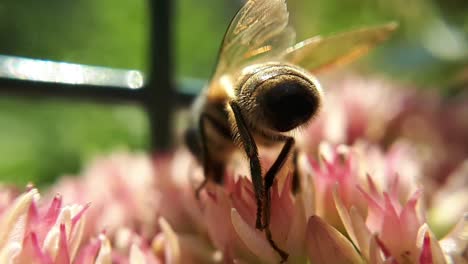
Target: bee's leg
{"points": [[200, 187], [256, 172], [204, 155], [194, 143], [269, 178], [252, 153], [212, 170], [296, 182], [216, 172]]}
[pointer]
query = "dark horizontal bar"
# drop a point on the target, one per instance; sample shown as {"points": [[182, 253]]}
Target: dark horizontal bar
{"points": [[41, 78], [185, 91]]}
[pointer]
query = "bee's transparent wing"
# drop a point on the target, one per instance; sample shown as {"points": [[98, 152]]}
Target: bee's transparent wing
{"points": [[260, 29], [319, 53]]}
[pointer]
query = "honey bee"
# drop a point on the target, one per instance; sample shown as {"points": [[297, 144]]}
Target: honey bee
{"points": [[262, 89]]}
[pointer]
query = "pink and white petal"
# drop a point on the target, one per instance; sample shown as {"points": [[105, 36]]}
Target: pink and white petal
{"points": [[282, 210], [361, 231], [253, 239], [307, 185], [391, 234], [375, 214], [13, 223], [53, 211], [51, 241], [345, 217], [402, 159], [62, 256], [172, 247], [216, 213], [426, 252], [105, 252], [136, 255], [297, 231], [65, 219], [326, 245], [76, 234], [375, 252], [89, 252], [424, 235], [372, 186], [9, 252], [41, 224], [31, 251], [390, 260], [409, 218]]}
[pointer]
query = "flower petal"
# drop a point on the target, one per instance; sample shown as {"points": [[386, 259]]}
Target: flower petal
{"points": [[344, 215], [136, 256], [375, 214], [13, 223], [89, 253], [76, 236], [63, 256], [354, 224], [426, 238], [104, 255], [326, 245], [54, 211], [172, 252], [296, 235], [375, 253], [31, 251], [391, 233], [361, 231], [9, 252], [426, 254], [253, 239], [409, 218]]}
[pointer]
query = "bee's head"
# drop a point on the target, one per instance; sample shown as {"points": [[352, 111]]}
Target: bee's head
{"points": [[280, 97]]}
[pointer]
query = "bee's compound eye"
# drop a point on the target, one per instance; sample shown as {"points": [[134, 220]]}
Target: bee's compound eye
{"points": [[288, 101]]}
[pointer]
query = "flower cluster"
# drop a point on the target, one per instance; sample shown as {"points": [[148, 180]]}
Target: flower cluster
{"points": [[378, 183], [32, 233]]}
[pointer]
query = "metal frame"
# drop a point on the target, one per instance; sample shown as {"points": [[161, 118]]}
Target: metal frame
{"points": [[156, 93]]}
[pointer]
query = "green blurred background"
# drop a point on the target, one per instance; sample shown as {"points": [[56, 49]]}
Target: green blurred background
{"points": [[43, 139]]}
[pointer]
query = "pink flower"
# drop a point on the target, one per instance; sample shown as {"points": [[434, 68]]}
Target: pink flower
{"points": [[175, 183], [122, 190], [390, 228], [344, 169], [353, 110], [230, 214], [382, 218], [377, 180], [356, 108], [33, 233]]}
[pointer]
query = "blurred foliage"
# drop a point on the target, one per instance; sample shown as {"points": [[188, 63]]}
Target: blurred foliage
{"points": [[40, 140], [104, 32]]}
